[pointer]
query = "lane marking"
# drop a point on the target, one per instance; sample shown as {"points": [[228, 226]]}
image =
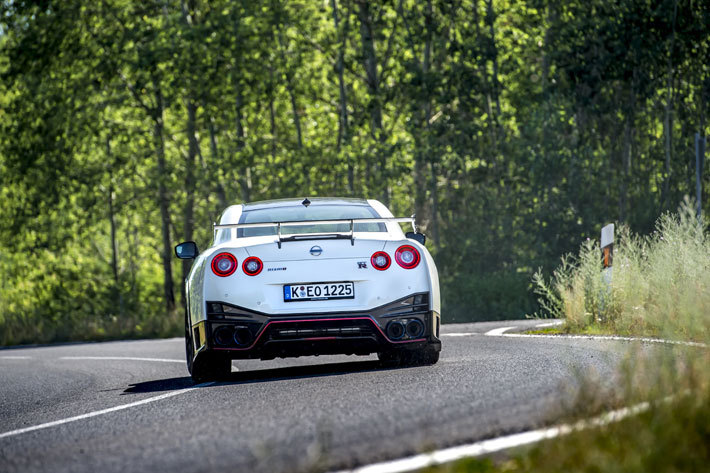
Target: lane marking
{"points": [[498, 444], [493, 333], [498, 331], [128, 358], [605, 338], [11, 357], [102, 411], [550, 324], [125, 358]]}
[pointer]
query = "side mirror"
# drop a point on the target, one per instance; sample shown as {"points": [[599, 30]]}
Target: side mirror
{"points": [[420, 237], [186, 250]]}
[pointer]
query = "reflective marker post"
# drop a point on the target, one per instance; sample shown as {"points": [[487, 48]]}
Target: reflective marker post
{"points": [[699, 158], [607, 244]]}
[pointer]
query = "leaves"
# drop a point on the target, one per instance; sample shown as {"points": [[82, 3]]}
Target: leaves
{"points": [[514, 129]]}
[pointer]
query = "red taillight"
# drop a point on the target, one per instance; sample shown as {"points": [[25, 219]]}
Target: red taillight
{"points": [[407, 256], [252, 266], [380, 260], [224, 264]]}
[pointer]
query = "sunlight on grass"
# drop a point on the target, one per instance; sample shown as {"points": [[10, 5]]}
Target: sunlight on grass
{"points": [[660, 283], [660, 288]]}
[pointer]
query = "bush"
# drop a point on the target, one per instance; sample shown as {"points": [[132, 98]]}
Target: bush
{"points": [[660, 283]]}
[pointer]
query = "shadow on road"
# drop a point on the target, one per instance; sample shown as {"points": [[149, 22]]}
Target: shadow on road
{"points": [[262, 376]]}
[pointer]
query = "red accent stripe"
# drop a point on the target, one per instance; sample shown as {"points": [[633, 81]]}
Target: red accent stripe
{"points": [[320, 320]]}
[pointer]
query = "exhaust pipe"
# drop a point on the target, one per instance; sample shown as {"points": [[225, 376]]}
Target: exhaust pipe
{"points": [[415, 328], [395, 330], [223, 335], [242, 336]]}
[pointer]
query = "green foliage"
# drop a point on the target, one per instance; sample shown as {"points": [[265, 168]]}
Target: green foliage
{"points": [[659, 284], [514, 129]]}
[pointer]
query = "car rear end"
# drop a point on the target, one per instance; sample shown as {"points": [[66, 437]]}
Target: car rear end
{"points": [[374, 292]]}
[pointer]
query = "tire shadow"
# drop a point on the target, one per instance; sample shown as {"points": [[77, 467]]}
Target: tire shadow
{"points": [[263, 376]]}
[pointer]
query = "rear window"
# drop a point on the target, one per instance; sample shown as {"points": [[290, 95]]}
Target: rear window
{"points": [[299, 213]]}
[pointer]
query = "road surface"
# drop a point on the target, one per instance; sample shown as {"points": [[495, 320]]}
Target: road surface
{"points": [[130, 405]]}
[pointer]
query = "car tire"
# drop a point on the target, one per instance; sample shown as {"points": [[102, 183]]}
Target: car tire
{"points": [[208, 367], [189, 346], [426, 356]]}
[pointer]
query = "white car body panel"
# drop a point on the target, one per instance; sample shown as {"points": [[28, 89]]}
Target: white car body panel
{"points": [[291, 262]]}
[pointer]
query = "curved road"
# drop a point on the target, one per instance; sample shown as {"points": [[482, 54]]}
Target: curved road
{"points": [[130, 406]]}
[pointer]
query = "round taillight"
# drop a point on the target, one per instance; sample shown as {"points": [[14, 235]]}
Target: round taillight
{"points": [[407, 256], [252, 266], [380, 260], [224, 264]]}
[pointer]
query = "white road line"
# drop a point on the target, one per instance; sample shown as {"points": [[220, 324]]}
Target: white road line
{"points": [[125, 358], [604, 338], [101, 412], [9, 357], [550, 324], [498, 331], [484, 447], [459, 334]]}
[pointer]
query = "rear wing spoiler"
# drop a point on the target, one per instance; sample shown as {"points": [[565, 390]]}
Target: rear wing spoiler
{"points": [[316, 235]]}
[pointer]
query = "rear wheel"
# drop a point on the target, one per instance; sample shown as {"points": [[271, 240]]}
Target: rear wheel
{"points": [[402, 357], [206, 366], [189, 347], [209, 367]]}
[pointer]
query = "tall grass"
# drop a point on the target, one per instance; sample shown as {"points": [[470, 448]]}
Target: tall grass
{"points": [[660, 286], [660, 283]]}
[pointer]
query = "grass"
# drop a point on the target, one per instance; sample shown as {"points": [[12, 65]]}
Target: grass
{"points": [[660, 288], [660, 283]]}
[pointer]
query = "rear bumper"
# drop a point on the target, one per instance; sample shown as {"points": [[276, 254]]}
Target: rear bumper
{"points": [[240, 334]]}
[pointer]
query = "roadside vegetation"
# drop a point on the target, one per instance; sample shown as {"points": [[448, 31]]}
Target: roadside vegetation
{"points": [[512, 128], [659, 284], [660, 288]]}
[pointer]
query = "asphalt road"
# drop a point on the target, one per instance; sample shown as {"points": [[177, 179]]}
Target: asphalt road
{"points": [[305, 414]]}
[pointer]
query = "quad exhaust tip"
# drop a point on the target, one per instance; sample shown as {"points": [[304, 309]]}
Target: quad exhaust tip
{"points": [[241, 336], [223, 335], [396, 330], [406, 328], [415, 328]]}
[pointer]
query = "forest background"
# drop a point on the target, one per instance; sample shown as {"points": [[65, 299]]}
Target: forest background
{"points": [[514, 129]]}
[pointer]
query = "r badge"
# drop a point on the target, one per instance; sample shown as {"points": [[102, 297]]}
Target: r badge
{"points": [[361, 265]]}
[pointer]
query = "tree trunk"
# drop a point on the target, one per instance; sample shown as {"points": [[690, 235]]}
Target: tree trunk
{"points": [[343, 130], [189, 211], [272, 114], [113, 227], [423, 153], [111, 217], [369, 62], [163, 203], [668, 119], [490, 18], [626, 155], [244, 174], [484, 75], [217, 163]]}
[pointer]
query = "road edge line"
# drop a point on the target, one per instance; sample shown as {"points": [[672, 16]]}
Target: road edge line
{"points": [[88, 415], [484, 447]]}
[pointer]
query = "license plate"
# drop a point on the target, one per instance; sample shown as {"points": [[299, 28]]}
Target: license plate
{"points": [[319, 291]]}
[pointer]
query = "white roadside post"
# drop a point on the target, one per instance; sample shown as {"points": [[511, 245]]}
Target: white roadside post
{"points": [[607, 244]]}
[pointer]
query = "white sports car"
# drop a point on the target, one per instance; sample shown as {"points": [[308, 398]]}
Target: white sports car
{"points": [[314, 277]]}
